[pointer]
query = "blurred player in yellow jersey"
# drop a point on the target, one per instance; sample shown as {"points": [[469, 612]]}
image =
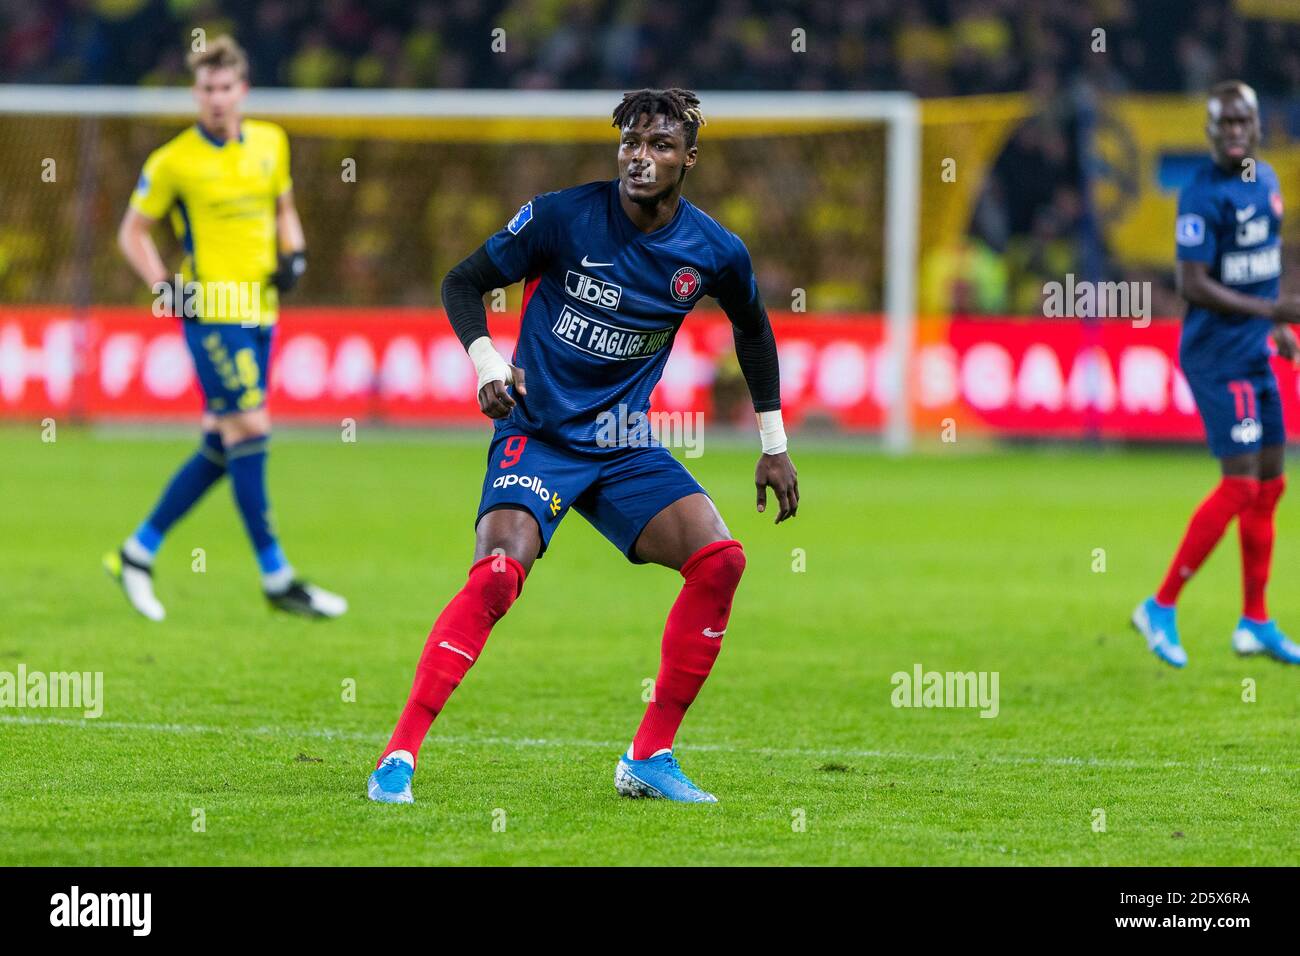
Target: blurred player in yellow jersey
{"points": [[225, 185]]}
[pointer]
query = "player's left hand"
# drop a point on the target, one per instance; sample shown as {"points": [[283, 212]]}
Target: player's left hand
{"points": [[778, 473], [291, 267], [1287, 345]]}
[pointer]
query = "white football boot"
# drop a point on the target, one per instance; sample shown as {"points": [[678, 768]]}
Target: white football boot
{"points": [[136, 581]]}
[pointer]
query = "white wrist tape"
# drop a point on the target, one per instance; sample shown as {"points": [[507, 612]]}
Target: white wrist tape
{"points": [[772, 431], [488, 363]]}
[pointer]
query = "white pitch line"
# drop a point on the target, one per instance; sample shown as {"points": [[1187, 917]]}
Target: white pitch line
{"points": [[326, 733]]}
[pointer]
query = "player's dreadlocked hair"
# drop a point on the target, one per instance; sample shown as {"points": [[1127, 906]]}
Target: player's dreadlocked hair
{"points": [[675, 103]]}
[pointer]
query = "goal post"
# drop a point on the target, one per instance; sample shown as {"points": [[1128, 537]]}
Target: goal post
{"points": [[887, 125]]}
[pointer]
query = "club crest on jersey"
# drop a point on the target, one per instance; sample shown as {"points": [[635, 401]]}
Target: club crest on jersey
{"points": [[522, 218], [685, 284]]}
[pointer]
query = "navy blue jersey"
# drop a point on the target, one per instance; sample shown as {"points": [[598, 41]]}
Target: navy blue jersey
{"points": [[603, 302], [1235, 227]]}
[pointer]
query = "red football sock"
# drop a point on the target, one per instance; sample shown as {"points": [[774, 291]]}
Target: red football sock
{"points": [[1255, 527], [455, 643], [1233, 495], [692, 639]]}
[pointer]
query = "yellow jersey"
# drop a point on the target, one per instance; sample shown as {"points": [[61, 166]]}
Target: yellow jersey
{"points": [[221, 199]]}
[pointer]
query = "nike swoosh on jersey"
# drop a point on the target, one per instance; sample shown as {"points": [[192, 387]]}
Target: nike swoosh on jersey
{"points": [[709, 632], [1244, 214], [592, 265]]}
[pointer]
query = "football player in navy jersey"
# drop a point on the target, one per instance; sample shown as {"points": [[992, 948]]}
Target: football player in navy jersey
{"points": [[611, 270], [1229, 267]]}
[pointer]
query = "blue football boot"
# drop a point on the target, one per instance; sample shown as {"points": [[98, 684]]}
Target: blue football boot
{"points": [[1254, 637], [658, 776], [391, 782], [1155, 622]]}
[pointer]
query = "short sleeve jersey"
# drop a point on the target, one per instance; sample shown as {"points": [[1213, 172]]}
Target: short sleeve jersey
{"points": [[221, 200], [1234, 226]]}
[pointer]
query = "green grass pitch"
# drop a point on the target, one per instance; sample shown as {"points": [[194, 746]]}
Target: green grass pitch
{"points": [[956, 560]]}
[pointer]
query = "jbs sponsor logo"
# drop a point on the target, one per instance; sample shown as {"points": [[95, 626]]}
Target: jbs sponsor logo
{"points": [[1253, 233], [593, 291], [534, 484], [608, 341], [1239, 268]]}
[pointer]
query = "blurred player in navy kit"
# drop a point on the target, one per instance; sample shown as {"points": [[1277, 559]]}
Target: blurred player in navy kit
{"points": [[1229, 269]]}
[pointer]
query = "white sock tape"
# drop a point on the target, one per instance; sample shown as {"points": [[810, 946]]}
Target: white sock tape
{"points": [[489, 364], [772, 432]]}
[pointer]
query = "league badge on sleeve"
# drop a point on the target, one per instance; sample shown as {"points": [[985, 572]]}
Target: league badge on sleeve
{"points": [[522, 218], [1275, 199], [1190, 229]]}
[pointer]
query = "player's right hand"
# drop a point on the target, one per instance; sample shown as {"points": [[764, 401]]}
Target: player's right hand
{"points": [[778, 473], [1288, 348], [493, 399], [1287, 309]]}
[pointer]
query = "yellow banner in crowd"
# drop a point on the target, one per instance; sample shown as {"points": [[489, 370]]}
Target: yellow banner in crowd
{"points": [[1140, 148], [962, 138], [1143, 147], [1269, 9]]}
